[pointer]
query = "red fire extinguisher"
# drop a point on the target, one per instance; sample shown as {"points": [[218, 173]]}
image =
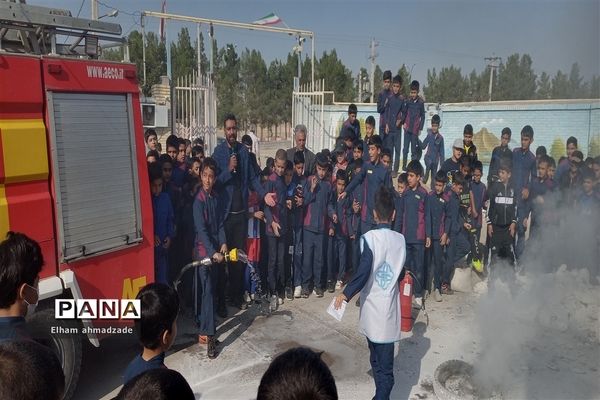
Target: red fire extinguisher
{"points": [[406, 292]]}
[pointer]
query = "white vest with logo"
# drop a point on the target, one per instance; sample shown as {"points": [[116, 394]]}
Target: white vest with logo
{"points": [[379, 302]]}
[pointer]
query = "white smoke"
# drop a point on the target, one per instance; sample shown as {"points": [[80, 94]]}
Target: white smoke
{"points": [[539, 329]]}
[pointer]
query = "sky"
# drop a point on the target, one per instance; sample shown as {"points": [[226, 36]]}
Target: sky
{"points": [[422, 34]]}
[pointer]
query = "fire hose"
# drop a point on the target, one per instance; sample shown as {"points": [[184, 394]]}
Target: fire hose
{"points": [[233, 255]]}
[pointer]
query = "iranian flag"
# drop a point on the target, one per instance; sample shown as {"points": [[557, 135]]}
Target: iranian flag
{"points": [[270, 19]]}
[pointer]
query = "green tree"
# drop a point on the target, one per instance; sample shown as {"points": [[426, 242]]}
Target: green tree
{"points": [[594, 91], [204, 64], [544, 87], [156, 56], [447, 87], [557, 149], [478, 86], [183, 55], [576, 87], [227, 81], [560, 86], [253, 91], [516, 79], [114, 54], [337, 77], [277, 96], [406, 80], [378, 79]]}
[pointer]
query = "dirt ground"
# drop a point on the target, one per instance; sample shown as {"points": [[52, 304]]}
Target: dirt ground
{"points": [[564, 367]]}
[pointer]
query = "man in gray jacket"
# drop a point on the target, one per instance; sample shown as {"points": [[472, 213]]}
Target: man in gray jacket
{"points": [[300, 140]]}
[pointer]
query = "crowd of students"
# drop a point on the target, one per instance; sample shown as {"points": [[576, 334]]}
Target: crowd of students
{"points": [[301, 218], [304, 219], [309, 231]]}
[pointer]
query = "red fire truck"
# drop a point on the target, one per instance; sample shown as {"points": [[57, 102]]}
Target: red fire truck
{"points": [[73, 174]]}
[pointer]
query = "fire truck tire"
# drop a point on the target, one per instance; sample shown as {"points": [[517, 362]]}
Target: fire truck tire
{"points": [[66, 346]]}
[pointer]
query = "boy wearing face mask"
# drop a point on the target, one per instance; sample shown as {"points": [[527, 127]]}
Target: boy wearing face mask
{"points": [[21, 261]]}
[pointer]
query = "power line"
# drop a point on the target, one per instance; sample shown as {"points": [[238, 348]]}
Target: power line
{"points": [[80, 8], [133, 14]]}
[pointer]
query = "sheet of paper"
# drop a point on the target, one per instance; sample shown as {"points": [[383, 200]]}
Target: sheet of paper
{"points": [[337, 314]]}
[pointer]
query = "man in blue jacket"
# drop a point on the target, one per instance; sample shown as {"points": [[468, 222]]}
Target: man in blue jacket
{"points": [[236, 176]]}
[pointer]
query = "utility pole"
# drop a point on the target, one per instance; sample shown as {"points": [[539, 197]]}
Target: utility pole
{"points": [[360, 87], [198, 55], [372, 57], [94, 5], [492, 64], [211, 33]]}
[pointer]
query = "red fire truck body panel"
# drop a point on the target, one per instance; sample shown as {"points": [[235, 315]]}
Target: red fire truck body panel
{"points": [[28, 192]]}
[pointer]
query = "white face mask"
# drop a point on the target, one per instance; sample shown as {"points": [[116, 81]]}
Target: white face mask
{"points": [[31, 306]]}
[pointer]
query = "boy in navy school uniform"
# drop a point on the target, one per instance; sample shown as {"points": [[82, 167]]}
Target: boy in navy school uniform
{"points": [[358, 150], [299, 182], [151, 139], [341, 160], [414, 119], [588, 201], [276, 229], [342, 227], [350, 140], [478, 196], [468, 145], [455, 229], [588, 205], [210, 242], [434, 143], [393, 118], [382, 100], [381, 263], [413, 217], [563, 166], [437, 237], [351, 122], [177, 175], [373, 175], [523, 171], [164, 228], [499, 154], [402, 184], [386, 159], [355, 217], [369, 132], [452, 165], [541, 193], [290, 186], [465, 195], [156, 327], [317, 204]]}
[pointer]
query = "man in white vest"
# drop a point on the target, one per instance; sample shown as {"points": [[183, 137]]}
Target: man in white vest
{"points": [[383, 252]]}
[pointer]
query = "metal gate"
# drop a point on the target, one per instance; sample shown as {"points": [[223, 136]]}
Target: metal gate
{"points": [[308, 106], [195, 108]]}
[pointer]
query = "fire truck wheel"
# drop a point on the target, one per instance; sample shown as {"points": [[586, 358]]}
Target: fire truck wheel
{"points": [[66, 346]]}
